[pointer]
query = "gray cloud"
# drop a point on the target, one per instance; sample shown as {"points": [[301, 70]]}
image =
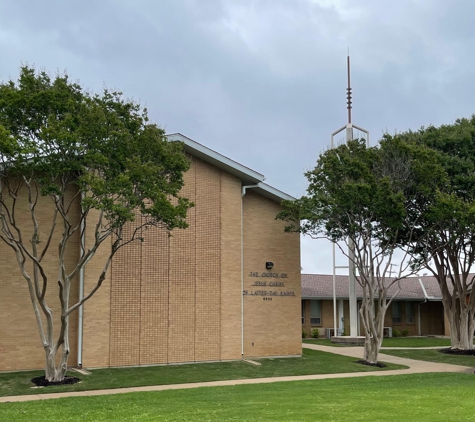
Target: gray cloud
{"points": [[260, 81]]}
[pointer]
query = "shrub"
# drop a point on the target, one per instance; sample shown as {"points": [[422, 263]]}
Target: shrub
{"points": [[396, 332], [304, 333], [405, 332], [315, 333]]}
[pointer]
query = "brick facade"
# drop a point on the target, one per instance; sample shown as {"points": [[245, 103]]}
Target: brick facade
{"points": [[179, 298], [431, 318], [271, 323]]}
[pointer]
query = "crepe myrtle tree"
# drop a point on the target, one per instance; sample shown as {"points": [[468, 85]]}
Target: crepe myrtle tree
{"points": [[95, 155], [356, 198], [447, 216]]}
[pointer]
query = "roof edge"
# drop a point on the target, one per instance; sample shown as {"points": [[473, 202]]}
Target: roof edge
{"points": [[216, 159], [245, 174]]}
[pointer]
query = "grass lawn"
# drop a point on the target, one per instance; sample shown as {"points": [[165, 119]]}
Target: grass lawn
{"points": [[433, 356], [311, 362], [395, 342], [421, 397]]}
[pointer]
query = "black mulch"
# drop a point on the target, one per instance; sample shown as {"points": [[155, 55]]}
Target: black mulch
{"points": [[450, 351], [43, 382], [365, 362]]}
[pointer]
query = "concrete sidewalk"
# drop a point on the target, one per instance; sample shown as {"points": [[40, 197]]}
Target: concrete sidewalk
{"points": [[415, 367]]}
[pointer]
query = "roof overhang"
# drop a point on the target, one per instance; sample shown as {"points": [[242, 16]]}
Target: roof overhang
{"points": [[247, 176], [272, 193]]}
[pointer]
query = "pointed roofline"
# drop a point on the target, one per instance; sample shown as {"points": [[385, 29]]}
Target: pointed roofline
{"points": [[245, 174]]}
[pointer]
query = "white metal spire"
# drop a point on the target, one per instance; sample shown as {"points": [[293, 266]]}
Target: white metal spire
{"points": [[351, 247]]}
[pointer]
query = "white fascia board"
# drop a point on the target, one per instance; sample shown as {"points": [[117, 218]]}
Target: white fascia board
{"points": [[272, 193], [245, 174], [248, 176]]}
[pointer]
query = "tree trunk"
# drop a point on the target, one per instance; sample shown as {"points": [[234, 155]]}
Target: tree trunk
{"points": [[57, 372], [53, 372], [373, 321], [371, 349], [460, 337]]}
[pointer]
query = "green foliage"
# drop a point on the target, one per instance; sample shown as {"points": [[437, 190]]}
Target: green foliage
{"points": [[405, 332], [315, 333], [55, 133], [396, 332], [82, 152], [445, 209], [354, 191], [304, 333]]}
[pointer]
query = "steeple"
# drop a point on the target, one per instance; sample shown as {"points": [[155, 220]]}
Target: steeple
{"points": [[351, 247], [348, 90]]}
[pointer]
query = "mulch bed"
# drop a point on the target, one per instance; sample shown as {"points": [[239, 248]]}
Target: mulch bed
{"points": [[450, 351], [365, 362], [43, 382]]}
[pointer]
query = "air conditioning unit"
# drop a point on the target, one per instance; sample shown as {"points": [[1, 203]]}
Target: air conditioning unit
{"points": [[387, 331], [331, 332]]}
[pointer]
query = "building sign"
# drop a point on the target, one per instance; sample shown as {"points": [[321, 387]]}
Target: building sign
{"points": [[272, 275], [267, 286]]}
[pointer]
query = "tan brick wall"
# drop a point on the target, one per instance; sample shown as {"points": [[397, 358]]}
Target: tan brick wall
{"points": [[20, 345], [154, 298], [231, 292], [96, 322], [208, 263], [182, 282], [166, 293], [125, 301], [272, 322], [177, 299]]}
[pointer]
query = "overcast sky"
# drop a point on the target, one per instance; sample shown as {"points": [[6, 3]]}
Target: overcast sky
{"points": [[260, 81]]}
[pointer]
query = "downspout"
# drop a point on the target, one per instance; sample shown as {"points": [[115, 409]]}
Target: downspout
{"points": [[81, 287], [243, 193]]}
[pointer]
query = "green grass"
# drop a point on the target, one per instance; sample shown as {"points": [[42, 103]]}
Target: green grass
{"points": [[311, 362], [395, 342], [420, 397], [416, 342], [432, 356]]}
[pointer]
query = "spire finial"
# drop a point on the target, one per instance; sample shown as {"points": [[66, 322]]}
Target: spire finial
{"points": [[348, 90]]}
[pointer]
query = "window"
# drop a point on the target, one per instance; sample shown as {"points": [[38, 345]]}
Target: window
{"points": [[303, 312], [315, 312], [409, 312], [396, 311]]}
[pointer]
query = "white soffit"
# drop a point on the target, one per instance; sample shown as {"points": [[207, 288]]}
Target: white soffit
{"points": [[218, 160], [245, 174], [272, 193]]}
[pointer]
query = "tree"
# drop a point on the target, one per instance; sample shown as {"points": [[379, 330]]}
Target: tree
{"points": [[357, 196], [98, 162], [447, 218]]}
